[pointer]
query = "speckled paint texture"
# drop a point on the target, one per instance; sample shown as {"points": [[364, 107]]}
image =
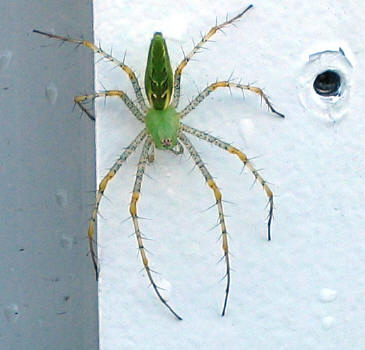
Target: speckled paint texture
{"points": [[303, 290]]}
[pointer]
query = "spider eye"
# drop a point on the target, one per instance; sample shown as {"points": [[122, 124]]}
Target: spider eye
{"points": [[166, 142]]}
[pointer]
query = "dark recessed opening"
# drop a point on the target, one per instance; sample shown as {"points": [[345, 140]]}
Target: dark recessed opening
{"points": [[327, 83]]}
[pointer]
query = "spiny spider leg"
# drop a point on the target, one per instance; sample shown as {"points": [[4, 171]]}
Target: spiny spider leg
{"points": [[198, 99], [227, 147], [128, 102], [184, 62], [218, 197], [151, 154], [178, 149], [102, 186], [165, 131], [127, 69], [133, 210]]}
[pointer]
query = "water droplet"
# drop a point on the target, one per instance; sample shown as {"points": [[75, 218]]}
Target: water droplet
{"points": [[51, 93], [11, 312], [327, 322], [327, 295], [66, 242], [5, 58], [246, 130], [62, 198]]}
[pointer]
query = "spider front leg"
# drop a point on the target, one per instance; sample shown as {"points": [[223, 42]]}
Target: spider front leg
{"points": [[218, 197], [79, 100], [227, 147], [209, 89], [91, 46], [145, 155], [197, 47], [102, 186]]}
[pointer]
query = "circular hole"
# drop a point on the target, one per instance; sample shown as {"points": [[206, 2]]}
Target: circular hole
{"points": [[327, 83]]}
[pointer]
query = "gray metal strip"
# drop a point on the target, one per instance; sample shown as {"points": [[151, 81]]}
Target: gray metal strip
{"points": [[48, 292]]}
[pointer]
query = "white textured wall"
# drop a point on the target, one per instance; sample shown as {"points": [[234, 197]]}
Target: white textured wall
{"points": [[304, 289]]}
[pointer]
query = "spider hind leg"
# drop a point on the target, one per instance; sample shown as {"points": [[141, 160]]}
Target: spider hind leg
{"points": [[133, 211], [100, 192], [221, 218], [247, 163]]}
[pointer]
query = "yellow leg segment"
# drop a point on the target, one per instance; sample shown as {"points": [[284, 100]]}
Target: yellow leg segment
{"points": [[227, 147], [133, 210], [98, 50], [227, 84], [79, 100], [99, 194], [197, 47], [218, 198]]}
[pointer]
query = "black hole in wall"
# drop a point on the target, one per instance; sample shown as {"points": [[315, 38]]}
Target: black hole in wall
{"points": [[327, 83]]}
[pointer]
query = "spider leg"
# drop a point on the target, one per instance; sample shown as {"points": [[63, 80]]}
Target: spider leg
{"points": [[197, 47], [227, 147], [218, 197], [178, 149], [96, 49], [151, 154], [133, 210], [102, 186], [212, 87], [79, 100]]}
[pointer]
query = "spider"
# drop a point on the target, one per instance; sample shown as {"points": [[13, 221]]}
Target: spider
{"points": [[163, 129]]}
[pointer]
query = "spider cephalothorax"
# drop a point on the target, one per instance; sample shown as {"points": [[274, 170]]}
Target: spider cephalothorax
{"points": [[164, 130], [163, 125]]}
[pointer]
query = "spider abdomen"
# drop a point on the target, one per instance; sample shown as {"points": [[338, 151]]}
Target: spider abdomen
{"points": [[158, 77]]}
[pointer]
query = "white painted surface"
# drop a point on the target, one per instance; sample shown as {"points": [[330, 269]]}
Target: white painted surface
{"points": [[315, 164]]}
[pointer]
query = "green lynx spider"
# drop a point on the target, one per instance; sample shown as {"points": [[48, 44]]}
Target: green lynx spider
{"points": [[165, 131]]}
